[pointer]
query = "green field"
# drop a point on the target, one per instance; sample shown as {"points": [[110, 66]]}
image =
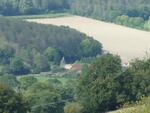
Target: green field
{"points": [[63, 80], [43, 79], [50, 15]]}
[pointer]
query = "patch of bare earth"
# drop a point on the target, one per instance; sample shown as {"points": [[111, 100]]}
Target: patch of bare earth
{"points": [[127, 42]]}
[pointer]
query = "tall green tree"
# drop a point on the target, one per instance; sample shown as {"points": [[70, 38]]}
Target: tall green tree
{"points": [[106, 84], [18, 67], [40, 63], [90, 48], [26, 7], [6, 53], [45, 98], [52, 55], [97, 89]]}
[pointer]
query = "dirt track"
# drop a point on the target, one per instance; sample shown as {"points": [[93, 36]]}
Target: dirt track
{"points": [[127, 42]]}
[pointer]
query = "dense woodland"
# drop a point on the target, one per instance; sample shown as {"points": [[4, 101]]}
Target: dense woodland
{"points": [[110, 9], [103, 86], [33, 48], [103, 83], [124, 12], [20, 7]]}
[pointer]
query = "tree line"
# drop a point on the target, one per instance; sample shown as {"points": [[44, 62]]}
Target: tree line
{"points": [[22, 7], [113, 11], [124, 12], [28, 95], [104, 85], [32, 48], [109, 10]]}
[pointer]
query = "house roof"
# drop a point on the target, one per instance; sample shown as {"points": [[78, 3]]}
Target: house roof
{"points": [[76, 67]]}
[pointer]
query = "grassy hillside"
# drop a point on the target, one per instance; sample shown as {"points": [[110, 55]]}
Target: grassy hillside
{"points": [[141, 107], [43, 79]]}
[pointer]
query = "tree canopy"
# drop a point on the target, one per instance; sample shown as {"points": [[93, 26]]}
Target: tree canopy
{"points": [[33, 48], [107, 10], [11, 102], [106, 85]]}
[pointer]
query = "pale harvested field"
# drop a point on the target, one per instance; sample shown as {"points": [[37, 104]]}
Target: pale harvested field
{"points": [[127, 42]]}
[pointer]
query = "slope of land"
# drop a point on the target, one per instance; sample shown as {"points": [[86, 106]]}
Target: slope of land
{"points": [[126, 110], [38, 47], [127, 42]]}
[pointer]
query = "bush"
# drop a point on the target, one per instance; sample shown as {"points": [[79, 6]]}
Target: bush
{"points": [[11, 102], [106, 85], [73, 108]]}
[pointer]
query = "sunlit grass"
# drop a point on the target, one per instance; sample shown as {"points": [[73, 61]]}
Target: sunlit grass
{"points": [[50, 15], [43, 79], [144, 108]]}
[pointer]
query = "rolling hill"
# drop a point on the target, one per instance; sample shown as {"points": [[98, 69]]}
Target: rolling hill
{"points": [[127, 42]]}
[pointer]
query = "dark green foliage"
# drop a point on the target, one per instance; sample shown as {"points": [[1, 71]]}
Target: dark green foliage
{"points": [[135, 22], [9, 80], [11, 102], [132, 86], [105, 85], [114, 11], [26, 7], [134, 83], [26, 82], [15, 7], [40, 63], [45, 98], [17, 67], [47, 102], [6, 52], [53, 55], [90, 47], [108, 10], [27, 95], [100, 9], [69, 91], [35, 48], [96, 89]]}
